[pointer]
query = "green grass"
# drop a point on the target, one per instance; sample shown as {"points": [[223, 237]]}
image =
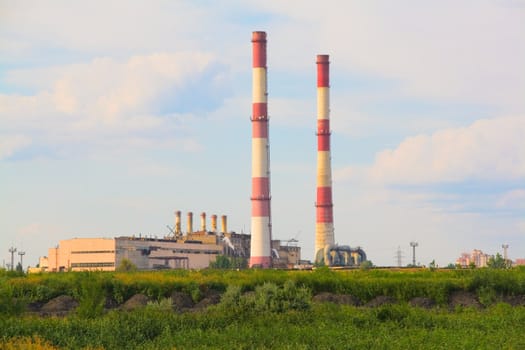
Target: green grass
{"points": [[277, 314], [324, 326]]}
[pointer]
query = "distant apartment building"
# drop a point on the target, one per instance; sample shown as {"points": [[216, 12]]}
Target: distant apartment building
{"points": [[476, 258], [519, 262]]}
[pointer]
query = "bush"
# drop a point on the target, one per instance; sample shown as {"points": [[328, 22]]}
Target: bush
{"points": [[91, 296], [27, 343], [267, 297], [9, 303]]}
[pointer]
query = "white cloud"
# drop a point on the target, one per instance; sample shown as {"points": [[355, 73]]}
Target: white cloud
{"points": [[12, 143], [107, 98], [106, 88], [514, 199], [461, 51], [490, 149]]}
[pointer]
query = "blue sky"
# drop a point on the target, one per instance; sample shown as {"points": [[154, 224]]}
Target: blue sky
{"points": [[114, 114]]}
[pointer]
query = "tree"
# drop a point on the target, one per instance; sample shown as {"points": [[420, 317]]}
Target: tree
{"points": [[225, 262], [19, 268], [221, 262], [366, 265], [126, 266], [497, 262]]}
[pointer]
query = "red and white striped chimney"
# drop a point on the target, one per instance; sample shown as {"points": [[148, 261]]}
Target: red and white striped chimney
{"points": [[324, 226], [261, 223]]}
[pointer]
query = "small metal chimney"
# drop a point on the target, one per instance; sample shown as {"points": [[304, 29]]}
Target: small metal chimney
{"points": [[203, 222], [178, 231], [223, 224], [190, 222], [214, 223]]}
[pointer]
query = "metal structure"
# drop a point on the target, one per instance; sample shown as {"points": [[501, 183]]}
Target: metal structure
{"points": [[399, 257], [342, 255], [324, 225], [22, 253], [261, 227], [12, 250], [414, 245]]}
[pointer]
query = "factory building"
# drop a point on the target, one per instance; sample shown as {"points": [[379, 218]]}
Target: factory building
{"points": [[191, 250], [106, 254], [286, 256]]}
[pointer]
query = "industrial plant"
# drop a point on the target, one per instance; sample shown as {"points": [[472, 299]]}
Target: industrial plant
{"points": [[178, 250], [197, 249]]}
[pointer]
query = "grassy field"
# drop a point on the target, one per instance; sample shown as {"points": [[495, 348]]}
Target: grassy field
{"points": [[266, 309]]}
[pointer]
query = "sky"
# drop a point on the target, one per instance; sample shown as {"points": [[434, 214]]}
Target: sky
{"points": [[114, 114]]}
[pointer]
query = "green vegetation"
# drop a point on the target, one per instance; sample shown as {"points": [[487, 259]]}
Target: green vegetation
{"points": [[126, 266], [497, 262], [261, 309], [229, 262]]}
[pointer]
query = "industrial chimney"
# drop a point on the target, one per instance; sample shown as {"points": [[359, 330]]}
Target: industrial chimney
{"points": [[324, 227], [214, 223], [178, 231], [190, 223], [223, 224], [261, 219], [203, 222]]}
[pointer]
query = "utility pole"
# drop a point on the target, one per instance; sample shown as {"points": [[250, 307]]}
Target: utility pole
{"points": [[12, 251], [413, 245], [21, 253]]}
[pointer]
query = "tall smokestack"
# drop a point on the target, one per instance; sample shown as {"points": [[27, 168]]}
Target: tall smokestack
{"points": [[178, 231], [214, 223], [190, 222], [203, 222], [224, 227], [261, 219], [324, 226]]}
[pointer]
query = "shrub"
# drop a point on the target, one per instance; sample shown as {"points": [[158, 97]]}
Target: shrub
{"points": [[9, 304], [27, 343], [164, 304], [126, 266], [91, 297], [267, 297]]}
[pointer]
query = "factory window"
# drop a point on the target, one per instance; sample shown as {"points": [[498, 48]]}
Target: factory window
{"points": [[95, 264], [92, 251]]}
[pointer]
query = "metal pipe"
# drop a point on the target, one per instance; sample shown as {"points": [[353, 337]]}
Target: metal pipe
{"points": [[324, 226], [261, 219]]}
